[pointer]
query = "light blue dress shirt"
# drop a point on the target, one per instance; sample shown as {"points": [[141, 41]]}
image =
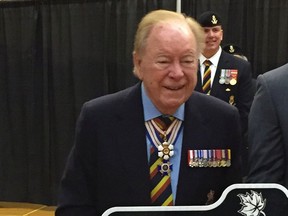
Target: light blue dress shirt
{"points": [[150, 112]]}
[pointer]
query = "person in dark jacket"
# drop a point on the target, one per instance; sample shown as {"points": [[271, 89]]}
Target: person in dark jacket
{"points": [[109, 164], [230, 76]]}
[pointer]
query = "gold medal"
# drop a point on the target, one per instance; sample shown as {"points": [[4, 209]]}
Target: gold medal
{"points": [[223, 158], [234, 76], [223, 163], [233, 82]]}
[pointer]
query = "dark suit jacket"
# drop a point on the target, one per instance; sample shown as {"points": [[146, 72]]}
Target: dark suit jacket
{"points": [[268, 129], [108, 164], [243, 91]]}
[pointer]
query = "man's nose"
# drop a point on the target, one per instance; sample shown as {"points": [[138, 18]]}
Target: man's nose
{"points": [[176, 70]]}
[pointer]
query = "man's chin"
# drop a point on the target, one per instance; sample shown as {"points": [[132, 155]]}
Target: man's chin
{"points": [[173, 104]]}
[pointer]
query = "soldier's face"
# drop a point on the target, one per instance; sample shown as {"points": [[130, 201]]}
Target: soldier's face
{"points": [[213, 38]]}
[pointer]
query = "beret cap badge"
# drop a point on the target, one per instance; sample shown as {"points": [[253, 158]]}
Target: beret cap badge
{"points": [[231, 49], [209, 19], [214, 20]]}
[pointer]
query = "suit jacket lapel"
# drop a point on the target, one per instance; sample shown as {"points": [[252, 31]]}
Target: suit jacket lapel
{"points": [[194, 129], [131, 135]]}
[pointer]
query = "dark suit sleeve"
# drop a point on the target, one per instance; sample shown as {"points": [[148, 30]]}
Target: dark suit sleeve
{"points": [[105, 157], [75, 196], [245, 93], [266, 151]]}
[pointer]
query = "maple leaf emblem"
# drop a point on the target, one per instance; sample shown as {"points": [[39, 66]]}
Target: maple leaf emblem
{"points": [[252, 204]]}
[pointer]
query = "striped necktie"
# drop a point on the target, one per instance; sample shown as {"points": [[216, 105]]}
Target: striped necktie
{"points": [[206, 86], [161, 191]]}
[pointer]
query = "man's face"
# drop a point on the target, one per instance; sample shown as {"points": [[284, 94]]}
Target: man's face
{"points": [[213, 38], [168, 66]]}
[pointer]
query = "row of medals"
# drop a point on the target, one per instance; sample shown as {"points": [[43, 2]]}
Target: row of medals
{"points": [[201, 160], [209, 161], [228, 76]]}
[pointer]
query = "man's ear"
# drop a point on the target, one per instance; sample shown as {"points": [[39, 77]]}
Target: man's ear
{"points": [[137, 65]]}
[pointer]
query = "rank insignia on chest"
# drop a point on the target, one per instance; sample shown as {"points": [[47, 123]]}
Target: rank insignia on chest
{"points": [[228, 76], [209, 158]]}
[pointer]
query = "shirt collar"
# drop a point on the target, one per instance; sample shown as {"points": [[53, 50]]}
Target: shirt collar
{"points": [[150, 111], [214, 59]]}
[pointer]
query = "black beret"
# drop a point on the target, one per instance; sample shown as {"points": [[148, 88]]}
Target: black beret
{"points": [[232, 49], [209, 19]]}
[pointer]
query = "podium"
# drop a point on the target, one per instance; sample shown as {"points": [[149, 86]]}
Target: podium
{"points": [[23, 209], [237, 199]]}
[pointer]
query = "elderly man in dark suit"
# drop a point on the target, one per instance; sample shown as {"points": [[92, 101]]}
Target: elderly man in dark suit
{"points": [[229, 78], [268, 129], [125, 155]]}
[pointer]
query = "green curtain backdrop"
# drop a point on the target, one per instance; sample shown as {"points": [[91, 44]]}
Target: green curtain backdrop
{"points": [[55, 55]]}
